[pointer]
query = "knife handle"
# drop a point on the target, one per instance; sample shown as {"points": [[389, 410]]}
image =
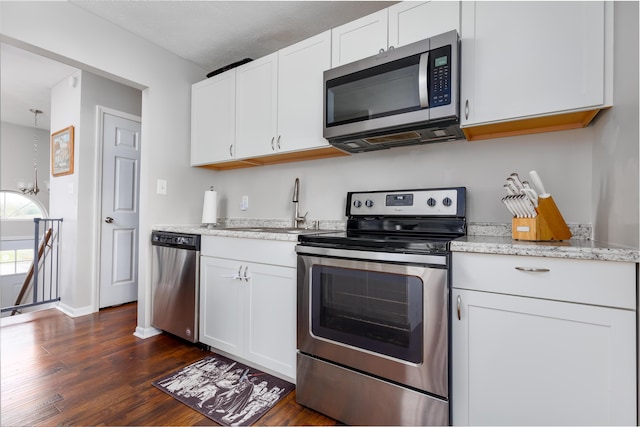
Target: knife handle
{"points": [[537, 182], [516, 181], [509, 190]]}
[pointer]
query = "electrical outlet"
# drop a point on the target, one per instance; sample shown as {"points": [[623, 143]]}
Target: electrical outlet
{"points": [[244, 204], [162, 186]]}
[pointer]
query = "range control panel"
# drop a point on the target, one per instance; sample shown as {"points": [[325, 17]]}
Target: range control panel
{"points": [[426, 202]]}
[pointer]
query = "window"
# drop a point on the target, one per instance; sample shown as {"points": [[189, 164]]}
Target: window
{"points": [[15, 261], [14, 205], [16, 256]]}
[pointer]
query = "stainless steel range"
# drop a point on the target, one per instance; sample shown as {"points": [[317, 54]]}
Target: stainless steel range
{"points": [[373, 309]]}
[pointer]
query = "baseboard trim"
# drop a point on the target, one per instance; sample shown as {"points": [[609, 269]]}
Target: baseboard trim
{"points": [[145, 333], [75, 312]]}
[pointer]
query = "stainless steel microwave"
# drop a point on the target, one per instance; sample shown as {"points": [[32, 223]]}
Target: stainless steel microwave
{"points": [[404, 96]]}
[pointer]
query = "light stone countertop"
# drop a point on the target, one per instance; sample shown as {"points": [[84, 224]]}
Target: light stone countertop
{"points": [[227, 232], [571, 249], [238, 228], [481, 238]]}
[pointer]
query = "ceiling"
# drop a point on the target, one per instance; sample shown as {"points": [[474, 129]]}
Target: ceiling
{"points": [[211, 34]]}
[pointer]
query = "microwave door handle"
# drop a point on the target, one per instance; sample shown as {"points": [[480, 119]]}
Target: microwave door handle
{"points": [[423, 83]]}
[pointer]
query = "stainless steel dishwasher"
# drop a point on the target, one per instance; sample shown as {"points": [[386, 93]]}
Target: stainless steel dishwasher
{"points": [[175, 283]]}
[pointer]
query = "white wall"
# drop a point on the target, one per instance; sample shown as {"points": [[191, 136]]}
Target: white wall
{"points": [[16, 158], [65, 112], [480, 166], [615, 153], [75, 197]]}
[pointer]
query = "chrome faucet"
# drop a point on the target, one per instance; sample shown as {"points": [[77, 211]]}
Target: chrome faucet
{"points": [[297, 219]]}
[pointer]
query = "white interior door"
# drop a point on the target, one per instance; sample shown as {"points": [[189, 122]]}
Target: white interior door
{"points": [[120, 209]]}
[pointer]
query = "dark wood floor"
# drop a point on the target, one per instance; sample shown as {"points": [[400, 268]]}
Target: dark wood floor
{"points": [[91, 370]]}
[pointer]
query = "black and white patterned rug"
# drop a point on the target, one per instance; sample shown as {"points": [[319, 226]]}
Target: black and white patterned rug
{"points": [[224, 390]]}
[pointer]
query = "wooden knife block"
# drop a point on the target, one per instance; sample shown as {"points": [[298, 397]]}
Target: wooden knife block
{"points": [[547, 225]]}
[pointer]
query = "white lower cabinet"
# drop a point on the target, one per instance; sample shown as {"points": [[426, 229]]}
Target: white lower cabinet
{"points": [[533, 360], [247, 308]]}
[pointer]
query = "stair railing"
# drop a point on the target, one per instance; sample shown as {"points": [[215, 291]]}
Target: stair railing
{"points": [[41, 284]]}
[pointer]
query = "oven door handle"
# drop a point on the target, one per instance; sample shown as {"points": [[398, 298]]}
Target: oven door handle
{"points": [[459, 306], [372, 255]]}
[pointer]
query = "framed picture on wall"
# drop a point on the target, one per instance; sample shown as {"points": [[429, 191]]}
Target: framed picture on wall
{"points": [[62, 152]]}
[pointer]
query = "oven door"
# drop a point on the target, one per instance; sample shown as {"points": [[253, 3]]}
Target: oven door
{"points": [[383, 318]]}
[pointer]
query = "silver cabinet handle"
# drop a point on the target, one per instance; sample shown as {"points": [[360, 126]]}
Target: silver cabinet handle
{"points": [[459, 305], [273, 147], [239, 276], [231, 150], [278, 142], [532, 269], [381, 50], [108, 220], [466, 109], [391, 48], [245, 277]]}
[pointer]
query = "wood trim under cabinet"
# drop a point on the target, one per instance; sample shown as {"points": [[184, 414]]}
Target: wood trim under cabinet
{"points": [[319, 153], [574, 120]]}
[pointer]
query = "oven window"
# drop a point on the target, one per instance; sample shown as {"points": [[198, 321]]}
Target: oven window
{"points": [[376, 311]]}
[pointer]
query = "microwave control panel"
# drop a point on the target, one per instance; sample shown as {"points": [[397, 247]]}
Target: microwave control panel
{"points": [[440, 76]]}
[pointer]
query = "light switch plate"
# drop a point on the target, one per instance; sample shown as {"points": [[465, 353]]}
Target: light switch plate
{"points": [[244, 204], [162, 186]]}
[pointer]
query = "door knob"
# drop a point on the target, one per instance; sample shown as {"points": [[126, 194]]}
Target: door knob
{"points": [[108, 220]]}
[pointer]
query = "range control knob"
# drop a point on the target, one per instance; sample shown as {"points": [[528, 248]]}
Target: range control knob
{"points": [[357, 203], [447, 201], [368, 203], [431, 201]]}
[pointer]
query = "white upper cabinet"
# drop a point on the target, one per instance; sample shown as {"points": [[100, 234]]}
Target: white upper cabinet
{"points": [[213, 119], [399, 25], [412, 21], [272, 105], [256, 106], [359, 39], [531, 59], [300, 93]]}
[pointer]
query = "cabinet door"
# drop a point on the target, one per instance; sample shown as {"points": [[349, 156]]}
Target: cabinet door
{"points": [[213, 113], [411, 21], [300, 93], [256, 107], [530, 361], [359, 39], [271, 317], [221, 305], [527, 59]]}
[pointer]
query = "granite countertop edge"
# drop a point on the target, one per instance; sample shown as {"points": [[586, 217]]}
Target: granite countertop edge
{"points": [[226, 232], [571, 249], [484, 239]]}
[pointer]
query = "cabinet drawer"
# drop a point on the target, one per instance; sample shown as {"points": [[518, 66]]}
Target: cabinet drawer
{"points": [[603, 283], [271, 252]]}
